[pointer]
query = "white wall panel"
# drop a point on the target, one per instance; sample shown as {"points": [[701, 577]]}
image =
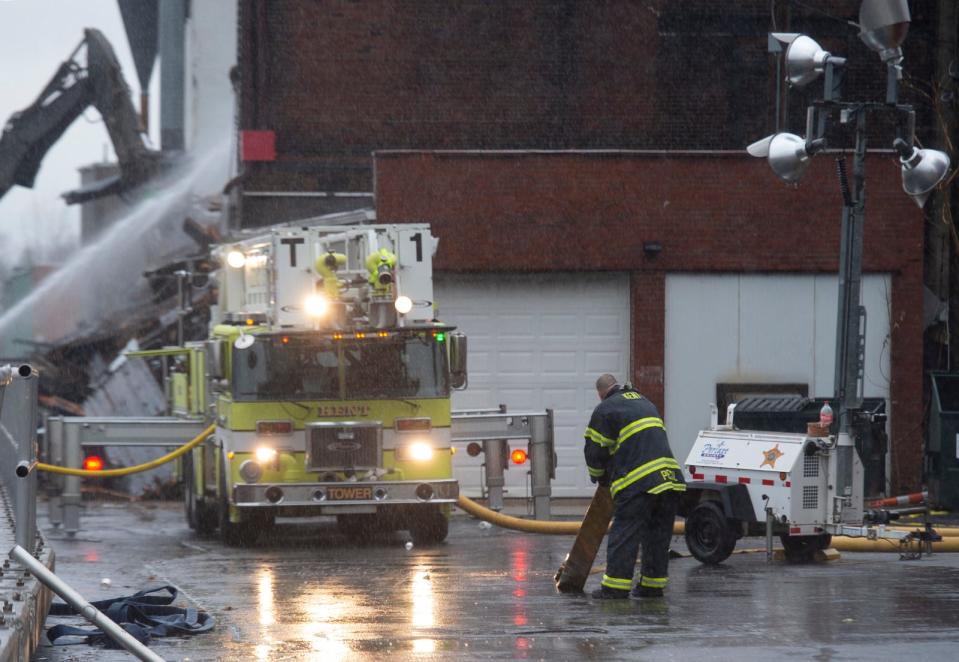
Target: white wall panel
{"points": [[536, 342], [759, 328]]}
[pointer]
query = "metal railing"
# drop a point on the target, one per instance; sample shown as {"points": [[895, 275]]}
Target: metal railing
{"points": [[23, 601], [66, 436], [18, 448], [494, 428]]}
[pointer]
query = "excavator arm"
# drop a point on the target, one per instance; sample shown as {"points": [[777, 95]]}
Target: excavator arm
{"points": [[30, 133]]}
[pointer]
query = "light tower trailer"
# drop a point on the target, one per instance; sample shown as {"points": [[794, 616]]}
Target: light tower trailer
{"points": [[755, 483], [329, 380], [807, 488]]}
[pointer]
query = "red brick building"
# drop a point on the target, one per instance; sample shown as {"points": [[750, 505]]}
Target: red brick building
{"points": [[560, 137]]}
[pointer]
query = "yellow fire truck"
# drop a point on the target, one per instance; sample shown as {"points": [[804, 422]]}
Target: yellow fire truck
{"points": [[329, 382]]}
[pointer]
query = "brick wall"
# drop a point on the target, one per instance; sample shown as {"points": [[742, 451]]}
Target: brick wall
{"points": [[719, 212], [339, 79]]}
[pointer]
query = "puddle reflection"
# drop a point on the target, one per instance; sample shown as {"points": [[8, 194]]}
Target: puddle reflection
{"points": [[422, 607], [319, 621]]}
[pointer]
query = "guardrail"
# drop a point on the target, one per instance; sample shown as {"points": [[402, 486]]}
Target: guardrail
{"points": [[493, 429], [24, 602], [18, 448], [66, 436]]}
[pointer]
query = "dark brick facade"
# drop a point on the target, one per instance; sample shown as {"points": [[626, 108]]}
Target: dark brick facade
{"points": [[719, 212], [339, 79]]}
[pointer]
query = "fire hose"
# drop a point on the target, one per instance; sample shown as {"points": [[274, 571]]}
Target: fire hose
{"points": [[841, 543], [951, 544], [125, 471]]}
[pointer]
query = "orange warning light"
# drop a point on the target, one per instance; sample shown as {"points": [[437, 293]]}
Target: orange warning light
{"points": [[92, 463]]}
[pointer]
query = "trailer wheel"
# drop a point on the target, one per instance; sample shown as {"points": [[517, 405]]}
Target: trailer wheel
{"points": [[709, 535], [428, 526], [802, 549]]}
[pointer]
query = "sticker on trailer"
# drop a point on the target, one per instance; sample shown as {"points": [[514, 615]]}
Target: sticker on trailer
{"points": [[744, 450], [771, 456], [714, 451]]}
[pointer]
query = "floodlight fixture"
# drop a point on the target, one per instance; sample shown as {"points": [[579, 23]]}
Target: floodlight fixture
{"points": [[883, 26], [779, 41], [922, 170], [788, 154], [806, 60]]}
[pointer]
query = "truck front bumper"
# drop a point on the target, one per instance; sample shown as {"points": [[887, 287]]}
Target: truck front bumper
{"points": [[345, 495]]}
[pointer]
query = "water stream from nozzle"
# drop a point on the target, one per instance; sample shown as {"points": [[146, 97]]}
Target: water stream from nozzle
{"points": [[101, 285]]}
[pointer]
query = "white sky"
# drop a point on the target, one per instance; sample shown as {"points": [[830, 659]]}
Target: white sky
{"points": [[35, 37]]}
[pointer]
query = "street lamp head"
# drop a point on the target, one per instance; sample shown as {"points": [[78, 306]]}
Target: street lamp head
{"points": [[806, 60], [883, 26], [922, 170], [788, 154]]}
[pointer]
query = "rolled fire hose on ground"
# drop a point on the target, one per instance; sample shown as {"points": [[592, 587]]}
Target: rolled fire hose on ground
{"points": [[841, 543], [124, 471]]}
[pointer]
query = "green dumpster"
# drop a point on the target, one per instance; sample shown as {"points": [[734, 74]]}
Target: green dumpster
{"points": [[942, 441]]}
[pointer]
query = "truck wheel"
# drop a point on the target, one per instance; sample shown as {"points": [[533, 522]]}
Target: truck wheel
{"points": [[234, 534], [802, 549], [199, 515], [189, 491], [428, 527], [709, 535], [206, 518]]}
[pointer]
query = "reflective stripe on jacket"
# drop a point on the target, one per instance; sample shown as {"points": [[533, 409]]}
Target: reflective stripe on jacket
{"points": [[626, 445]]}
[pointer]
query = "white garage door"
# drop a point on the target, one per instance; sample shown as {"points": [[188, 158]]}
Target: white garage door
{"points": [[536, 342], [760, 329]]}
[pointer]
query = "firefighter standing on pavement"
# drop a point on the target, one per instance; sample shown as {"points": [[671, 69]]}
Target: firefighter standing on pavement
{"points": [[627, 449]]}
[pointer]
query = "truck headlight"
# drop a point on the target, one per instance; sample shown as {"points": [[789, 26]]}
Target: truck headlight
{"points": [[419, 451], [236, 259], [403, 304], [265, 454], [250, 471], [315, 305]]}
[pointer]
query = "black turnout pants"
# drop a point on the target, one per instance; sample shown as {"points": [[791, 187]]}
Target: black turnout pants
{"points": [[647, 520]]}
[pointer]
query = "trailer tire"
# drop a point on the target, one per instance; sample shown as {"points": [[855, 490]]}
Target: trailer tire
{"points": [[428, 526], [709, 535]]}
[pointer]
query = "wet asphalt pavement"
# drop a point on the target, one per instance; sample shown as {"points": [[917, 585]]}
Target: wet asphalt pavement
{"points": [[310, 594]]}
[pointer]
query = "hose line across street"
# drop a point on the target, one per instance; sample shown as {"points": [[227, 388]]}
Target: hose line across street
{"points": [[949, 544], [125, 471]]}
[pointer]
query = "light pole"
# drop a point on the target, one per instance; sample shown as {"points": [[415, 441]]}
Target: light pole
{"points": [[883, 27]]}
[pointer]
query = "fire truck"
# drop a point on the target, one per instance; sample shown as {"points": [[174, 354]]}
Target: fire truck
{"points": [[328, 379]]}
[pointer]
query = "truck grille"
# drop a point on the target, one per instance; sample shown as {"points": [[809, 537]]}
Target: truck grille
{"points": [[343, 446], [810, 497]]}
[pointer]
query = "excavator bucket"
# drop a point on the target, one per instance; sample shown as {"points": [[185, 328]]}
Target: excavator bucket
{"points": [[572, 574], [29, 134]]}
